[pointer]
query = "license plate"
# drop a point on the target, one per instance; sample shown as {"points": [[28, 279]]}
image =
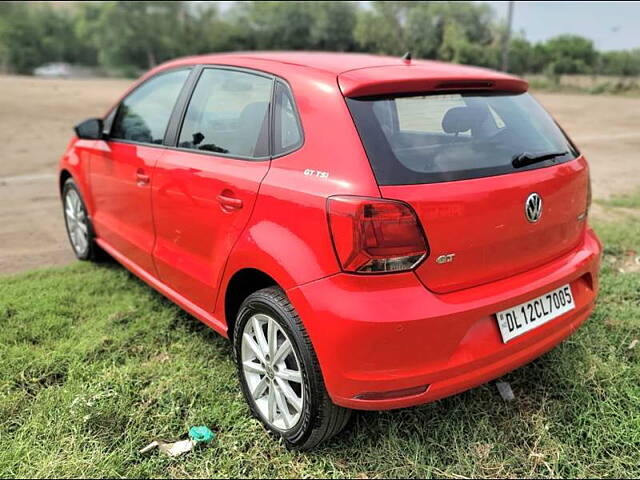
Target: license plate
{"points": [[528, 315]]}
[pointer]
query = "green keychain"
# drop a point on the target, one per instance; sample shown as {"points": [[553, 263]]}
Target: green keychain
{"points": [[201, 434]]}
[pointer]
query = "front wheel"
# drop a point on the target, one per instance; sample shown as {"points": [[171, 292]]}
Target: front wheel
{"points": [[77, 222], [279, 372]]}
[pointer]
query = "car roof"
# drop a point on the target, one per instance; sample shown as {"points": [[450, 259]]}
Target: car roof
{"points": [[361, 74], [330, 62]]}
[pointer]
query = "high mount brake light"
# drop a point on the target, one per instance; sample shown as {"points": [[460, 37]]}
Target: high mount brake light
{"points": [[372, 235]]}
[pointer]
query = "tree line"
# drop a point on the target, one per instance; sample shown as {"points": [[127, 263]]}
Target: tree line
{"points": [[128, 37]]}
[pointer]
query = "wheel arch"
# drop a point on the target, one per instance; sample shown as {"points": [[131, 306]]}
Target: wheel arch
{"points": [[243, 283], [62, 178]]}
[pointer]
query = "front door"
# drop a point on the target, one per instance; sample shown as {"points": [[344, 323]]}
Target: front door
{"points": [[204, 191], [122, 166]]}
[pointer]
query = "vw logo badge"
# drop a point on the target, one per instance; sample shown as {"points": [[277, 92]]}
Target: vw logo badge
{"points": [[533, 208]]}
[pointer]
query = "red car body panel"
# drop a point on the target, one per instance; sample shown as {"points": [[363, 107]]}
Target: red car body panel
{"points": [[120, 176], [172, 217], [201, 204], [503, 242], [376, 334], [76, 162]]}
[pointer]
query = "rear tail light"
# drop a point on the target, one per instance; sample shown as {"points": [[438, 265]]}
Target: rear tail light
{"points": [[372, 235]]}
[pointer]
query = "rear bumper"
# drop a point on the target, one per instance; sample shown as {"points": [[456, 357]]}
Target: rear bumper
{"points": [[388, 333]]}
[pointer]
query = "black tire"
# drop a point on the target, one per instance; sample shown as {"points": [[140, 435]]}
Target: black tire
{"points": [[320, 418], [92, 252]]}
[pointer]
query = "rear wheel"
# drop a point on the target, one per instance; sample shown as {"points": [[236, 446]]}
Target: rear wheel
{"points": [[279, 372], [77, 222]]}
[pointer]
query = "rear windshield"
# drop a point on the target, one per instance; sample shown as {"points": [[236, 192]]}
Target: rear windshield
{"points": [[441, 138]]}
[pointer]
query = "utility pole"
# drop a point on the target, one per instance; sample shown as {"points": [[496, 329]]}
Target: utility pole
{"points": [[507, 37]]}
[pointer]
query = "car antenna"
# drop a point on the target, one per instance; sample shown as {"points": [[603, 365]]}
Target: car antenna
{"points": [[406, 58]]}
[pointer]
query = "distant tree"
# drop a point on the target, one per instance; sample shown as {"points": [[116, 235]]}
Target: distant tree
{"points": [[381, 29], [129, 37], [521, 56], [621, 63], [272, 25], [201, 30], [452, 31], [333, 25], [293, 25], [569, 54], [132, 34], [19, 42], [425, 30], [31, 35], [453, 43], [460, 32], [457, 48]]}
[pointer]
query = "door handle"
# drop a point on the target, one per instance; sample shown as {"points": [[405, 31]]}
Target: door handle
{"points": [[142, 178], [228, 202]]}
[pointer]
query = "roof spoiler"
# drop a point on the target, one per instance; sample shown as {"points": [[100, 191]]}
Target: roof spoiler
{"points": [[393, 80]]}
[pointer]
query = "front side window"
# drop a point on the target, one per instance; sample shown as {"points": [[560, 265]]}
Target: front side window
{"points": [[228, 114], [143, 116], [440, 138]]}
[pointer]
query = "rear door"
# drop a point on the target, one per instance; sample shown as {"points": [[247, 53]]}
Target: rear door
{"points": [[450, 156], [122, 167], [205, 188]]}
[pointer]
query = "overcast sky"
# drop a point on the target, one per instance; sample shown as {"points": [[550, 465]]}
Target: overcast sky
{"points": [[611, 25]]}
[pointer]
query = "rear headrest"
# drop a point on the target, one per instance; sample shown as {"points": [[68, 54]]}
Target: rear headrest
{"points": [[254, 113], [461, 119], [253, 119]]}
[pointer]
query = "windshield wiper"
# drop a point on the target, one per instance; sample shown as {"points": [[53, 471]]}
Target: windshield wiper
{"points": [[526, 158]]}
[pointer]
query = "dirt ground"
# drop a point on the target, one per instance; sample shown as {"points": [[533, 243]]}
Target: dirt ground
{"points": [[36, 117]]}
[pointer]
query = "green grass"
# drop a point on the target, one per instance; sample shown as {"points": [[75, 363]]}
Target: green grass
{"points": [[625, 200], [95, 365]]}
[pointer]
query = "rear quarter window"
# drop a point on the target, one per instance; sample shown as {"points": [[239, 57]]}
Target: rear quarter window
{"points": [[287, 133]]}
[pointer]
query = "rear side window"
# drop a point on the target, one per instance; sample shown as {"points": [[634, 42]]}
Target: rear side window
{"points": [[287, 134], [228, 114], [143, 115], [439, 138]]}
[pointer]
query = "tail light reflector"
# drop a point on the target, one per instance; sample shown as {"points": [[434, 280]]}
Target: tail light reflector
{"points": [[407, 392], [372, 235]]}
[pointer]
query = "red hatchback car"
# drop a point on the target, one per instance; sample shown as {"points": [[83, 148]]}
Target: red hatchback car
{"points": [[370, 232]]}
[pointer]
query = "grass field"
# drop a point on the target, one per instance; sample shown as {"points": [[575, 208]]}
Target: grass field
{"points": [[627, 200], [95, 365]]}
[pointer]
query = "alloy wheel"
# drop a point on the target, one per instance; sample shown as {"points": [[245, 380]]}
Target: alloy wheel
{"points": [[77, 224], [272, 371]]}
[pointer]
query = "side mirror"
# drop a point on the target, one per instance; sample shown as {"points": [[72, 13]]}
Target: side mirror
{"points": [[89, 129]]}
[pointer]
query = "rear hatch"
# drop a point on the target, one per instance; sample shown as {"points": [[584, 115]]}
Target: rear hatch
{"points": [[482, 222], [470, 163]]}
